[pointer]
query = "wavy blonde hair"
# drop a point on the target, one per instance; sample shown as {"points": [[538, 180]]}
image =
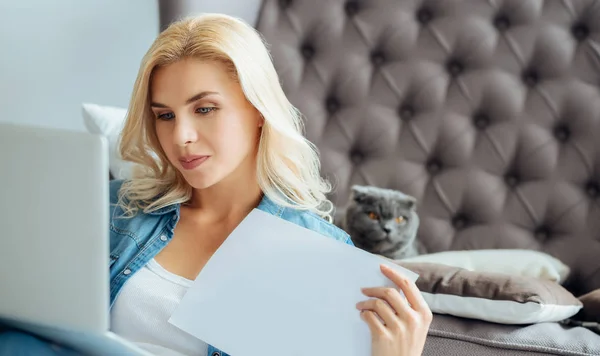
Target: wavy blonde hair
{"points": [[288, 166]]}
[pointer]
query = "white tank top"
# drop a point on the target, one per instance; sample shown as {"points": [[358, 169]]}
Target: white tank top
{"points": [[142, 310]]}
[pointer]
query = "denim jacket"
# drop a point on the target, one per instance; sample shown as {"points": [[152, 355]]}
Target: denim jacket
{"points": [[135, 241]]}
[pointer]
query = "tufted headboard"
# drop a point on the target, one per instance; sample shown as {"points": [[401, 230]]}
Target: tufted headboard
{"points": [[488, 112]]}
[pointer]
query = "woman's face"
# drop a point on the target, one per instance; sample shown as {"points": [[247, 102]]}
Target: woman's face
{"points": [[205, 125]]}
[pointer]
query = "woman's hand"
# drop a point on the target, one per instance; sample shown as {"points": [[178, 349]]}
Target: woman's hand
{"points": [[398, 326]]}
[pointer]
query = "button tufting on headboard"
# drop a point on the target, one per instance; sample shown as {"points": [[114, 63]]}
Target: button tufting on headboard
{"points": [[580, 31], [460, 221], [356, 157], [512, 179], [332, 104], [307, 51], [481, 121], [592, 189], [531, 77], [406, 112], [454, 67], [487, 112], [502, 22], [434, 166], [352, 8], [424, 15], [542, 233], [562, 132], [285, 3], [378, 58]]}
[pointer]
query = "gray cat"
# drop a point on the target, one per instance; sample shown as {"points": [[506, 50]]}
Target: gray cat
{"points": [[383, 221]]}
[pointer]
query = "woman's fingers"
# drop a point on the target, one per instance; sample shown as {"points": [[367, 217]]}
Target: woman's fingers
{"points": [[391, 295], [410, 290], [375, 325], [397, 328], [385, 312]]}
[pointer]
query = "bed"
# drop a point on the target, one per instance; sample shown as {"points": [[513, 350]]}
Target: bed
{"points": [[486, 111]]}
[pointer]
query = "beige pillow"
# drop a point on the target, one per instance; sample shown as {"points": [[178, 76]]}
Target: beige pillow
{"points": [[510, 261], [494, 297]]}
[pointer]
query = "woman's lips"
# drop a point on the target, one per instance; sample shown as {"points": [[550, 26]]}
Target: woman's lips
{"points": [[191, 162]]}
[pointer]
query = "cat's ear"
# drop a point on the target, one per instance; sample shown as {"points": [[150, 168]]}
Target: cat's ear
{"points": [[358, 193], [410, 202]]}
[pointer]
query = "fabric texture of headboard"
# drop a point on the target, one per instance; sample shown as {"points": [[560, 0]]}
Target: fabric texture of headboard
{"points": [[488, 112]]}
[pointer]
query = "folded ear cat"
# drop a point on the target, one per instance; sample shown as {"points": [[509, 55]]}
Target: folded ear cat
{"points": [[383, 221]]}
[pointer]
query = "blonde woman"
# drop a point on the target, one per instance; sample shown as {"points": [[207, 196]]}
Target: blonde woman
{"points": [[215, 137]]}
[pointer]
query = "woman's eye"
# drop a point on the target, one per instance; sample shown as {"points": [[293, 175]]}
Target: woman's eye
{"points": [[166, 116], [205, 110]]}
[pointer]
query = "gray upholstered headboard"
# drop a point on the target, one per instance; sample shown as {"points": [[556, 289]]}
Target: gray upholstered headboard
{"points": [[486, 111]]}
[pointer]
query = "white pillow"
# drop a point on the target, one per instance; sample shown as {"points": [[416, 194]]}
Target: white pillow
{"points": [[108, 121], [495, 297], [528, 263], [499, 311]]}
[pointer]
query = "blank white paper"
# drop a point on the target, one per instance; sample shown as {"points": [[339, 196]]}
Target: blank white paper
{"points": [[275, 288]]}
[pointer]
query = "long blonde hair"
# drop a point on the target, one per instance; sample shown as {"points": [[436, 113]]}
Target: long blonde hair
{"points": [[288, 167]]}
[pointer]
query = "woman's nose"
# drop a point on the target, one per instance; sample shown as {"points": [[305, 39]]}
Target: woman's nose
{"points": [[185, 132]]}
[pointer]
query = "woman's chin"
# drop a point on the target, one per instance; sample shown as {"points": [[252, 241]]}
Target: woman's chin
{"points": [[200, 181]]}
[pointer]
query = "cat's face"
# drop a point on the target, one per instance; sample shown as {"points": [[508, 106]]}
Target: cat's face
{"points": [[381, 221]]}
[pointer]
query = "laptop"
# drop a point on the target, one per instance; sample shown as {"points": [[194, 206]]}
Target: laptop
{"points": [[54, 247]]}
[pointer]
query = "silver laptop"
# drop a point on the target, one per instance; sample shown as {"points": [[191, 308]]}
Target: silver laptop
{"points": [[54, 242]]}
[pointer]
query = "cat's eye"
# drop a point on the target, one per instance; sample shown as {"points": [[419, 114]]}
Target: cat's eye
{"points": [[400, 219], [373, 216]]}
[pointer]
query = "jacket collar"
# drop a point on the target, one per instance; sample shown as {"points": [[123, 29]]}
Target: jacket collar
{"points": [[266, 204]]}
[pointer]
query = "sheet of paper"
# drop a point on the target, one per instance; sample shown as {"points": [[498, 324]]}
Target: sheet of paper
{"points": [[274, 288]]}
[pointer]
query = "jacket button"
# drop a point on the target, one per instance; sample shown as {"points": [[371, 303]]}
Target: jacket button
{"points": [[216, 353], [163, 238], [127, 272]]}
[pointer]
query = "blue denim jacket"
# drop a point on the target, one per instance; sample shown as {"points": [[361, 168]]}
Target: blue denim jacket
{"points": [[135, 241]]}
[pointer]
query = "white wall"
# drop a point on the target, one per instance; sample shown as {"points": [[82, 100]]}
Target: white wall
{"points": [[172, 10], [57, 54]]}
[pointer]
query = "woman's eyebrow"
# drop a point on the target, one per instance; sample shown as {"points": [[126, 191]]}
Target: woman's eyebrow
{"points": [[189, 101]]}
